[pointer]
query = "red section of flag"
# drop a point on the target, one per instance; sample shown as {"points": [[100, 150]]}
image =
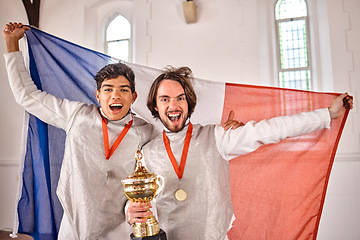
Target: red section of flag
{"points": [[278, 191]]}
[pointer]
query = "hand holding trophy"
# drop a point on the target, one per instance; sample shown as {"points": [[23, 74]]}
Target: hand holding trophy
{"points": [[143, 186]]}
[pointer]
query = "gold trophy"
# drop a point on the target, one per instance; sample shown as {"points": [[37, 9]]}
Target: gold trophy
{"points": [[143, 186]]}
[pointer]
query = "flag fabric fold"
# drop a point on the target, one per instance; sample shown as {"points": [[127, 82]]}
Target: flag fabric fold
{"points": [[278, 191]]}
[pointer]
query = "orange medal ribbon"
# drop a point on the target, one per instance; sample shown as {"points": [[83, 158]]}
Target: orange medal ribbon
{"points": [[179, 170], [109, 152]]}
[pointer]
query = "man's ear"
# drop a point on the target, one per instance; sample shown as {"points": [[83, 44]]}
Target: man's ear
{"points": [[134, 95], [156, 109], [97, 93]]}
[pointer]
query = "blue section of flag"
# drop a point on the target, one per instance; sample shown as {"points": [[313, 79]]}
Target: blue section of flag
{"points": [[64, 70]]}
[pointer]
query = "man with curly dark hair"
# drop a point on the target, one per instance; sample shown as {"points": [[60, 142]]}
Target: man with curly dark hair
{"points": [[99, 148]]}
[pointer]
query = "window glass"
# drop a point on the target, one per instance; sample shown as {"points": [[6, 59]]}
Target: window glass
{"points": [[118, 35], [293, 44], [290, 9], [119, 49]]}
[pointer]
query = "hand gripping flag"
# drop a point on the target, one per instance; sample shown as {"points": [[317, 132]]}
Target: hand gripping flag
{"points": [[278, 191]]}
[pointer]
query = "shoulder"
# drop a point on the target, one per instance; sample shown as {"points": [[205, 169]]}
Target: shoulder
{"points": [[82, 112], [199, 129], [141, 123], [83, 107], [144, 129], [154, 143], [138, 121]]}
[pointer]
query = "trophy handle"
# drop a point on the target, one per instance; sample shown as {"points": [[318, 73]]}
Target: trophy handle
{"points": [[161, 182]]}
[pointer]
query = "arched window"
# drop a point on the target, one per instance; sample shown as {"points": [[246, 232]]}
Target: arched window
{"points": [[294, 65], [118, 35]]}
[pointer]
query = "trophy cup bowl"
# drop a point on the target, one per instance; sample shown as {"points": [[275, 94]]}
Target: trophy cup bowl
{"points": [[143, 186], [141, 190]]}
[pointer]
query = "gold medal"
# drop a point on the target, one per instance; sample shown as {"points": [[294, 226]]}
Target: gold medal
{"points": [[180, 195]]}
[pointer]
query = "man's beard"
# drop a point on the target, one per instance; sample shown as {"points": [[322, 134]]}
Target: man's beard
{"points": [[177, 128]]}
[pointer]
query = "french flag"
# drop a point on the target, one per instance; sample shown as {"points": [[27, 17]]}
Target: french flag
{"points": [[278, 191]]}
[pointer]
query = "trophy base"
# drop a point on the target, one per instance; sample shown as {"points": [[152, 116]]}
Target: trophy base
{"points": [[160, 236]]}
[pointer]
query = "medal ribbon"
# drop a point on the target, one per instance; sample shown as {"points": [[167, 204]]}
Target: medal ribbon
{"points": [[109, 152], [179, 170]]}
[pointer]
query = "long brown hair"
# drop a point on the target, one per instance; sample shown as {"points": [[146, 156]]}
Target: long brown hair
{"points": [[182, 75]]}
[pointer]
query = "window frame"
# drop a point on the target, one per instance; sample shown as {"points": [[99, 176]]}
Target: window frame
{"points": [[309, 67], [129, 40]]}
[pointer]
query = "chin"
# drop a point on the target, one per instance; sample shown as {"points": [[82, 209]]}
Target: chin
{"points": [[177, 128], [116, 117], [172, 127], [174, 130]]}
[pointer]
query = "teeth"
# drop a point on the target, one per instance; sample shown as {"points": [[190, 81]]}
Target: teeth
{"points": [[174, 116], [116, 105]]}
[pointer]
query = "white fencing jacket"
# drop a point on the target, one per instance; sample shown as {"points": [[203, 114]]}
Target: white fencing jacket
{"points": [[207, 211], [89, 188]]}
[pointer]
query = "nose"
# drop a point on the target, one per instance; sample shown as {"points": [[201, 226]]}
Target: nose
{"points": [[116, 94], [173, 104]]}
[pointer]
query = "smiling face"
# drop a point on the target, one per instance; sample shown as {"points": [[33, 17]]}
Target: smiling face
{"points": [[115, 97], [171, 105]]}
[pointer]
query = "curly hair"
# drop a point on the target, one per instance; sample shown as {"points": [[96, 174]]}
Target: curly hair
{"points": [[114, 70], [182, 75]]}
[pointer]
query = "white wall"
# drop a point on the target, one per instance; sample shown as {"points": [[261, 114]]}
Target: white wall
{"points": [[233, 42]]}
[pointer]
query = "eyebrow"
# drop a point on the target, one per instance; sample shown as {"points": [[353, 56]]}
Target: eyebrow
{"points": [[110, 85], [166, 96]]}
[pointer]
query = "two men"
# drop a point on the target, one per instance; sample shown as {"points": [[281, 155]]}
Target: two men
{"points": [[191, 205], [99, 148], [195, 202]]}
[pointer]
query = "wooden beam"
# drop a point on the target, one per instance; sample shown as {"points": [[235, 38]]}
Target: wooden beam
{"points": [[33, 11]]}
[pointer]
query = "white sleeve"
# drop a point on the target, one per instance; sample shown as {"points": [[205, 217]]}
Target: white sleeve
{"points": [[248, 138], [46, 107]]}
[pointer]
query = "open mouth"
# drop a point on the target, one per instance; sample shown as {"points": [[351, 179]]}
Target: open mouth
{"points": [[115, 107], [174, 117]]}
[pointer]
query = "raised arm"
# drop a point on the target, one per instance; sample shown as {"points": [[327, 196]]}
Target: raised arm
{"points": [[254, 134], [12, 33], [46, 107]]}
